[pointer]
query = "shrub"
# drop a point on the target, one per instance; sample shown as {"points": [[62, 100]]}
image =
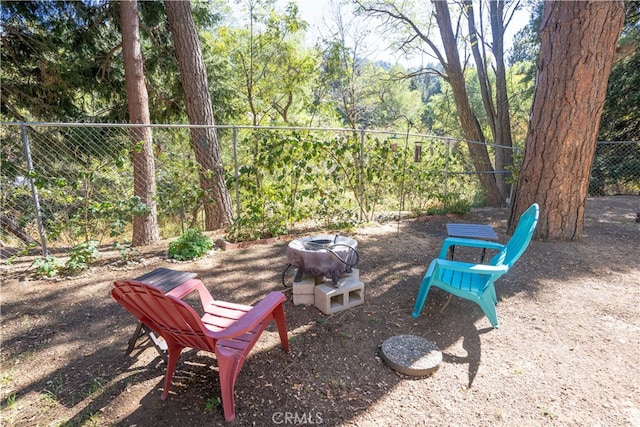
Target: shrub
{"points": [[127, 253], [450, 203], [254, 228], [48, 266], [81, 256], [192, 244]]}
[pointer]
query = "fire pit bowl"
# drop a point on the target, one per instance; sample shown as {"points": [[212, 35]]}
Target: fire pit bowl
{"points": [[323, 255]]}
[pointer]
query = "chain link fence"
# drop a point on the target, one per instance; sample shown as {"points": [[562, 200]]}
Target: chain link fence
{"points": [[65, 184]]}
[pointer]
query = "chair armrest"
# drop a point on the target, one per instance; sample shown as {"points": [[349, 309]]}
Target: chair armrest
{"points": [[253, 317], [474, 243], [189, 286], [466, 267]]}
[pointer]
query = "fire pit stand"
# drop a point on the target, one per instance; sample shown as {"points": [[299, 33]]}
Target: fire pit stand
{"points": [[323, 256], [317, 258]]}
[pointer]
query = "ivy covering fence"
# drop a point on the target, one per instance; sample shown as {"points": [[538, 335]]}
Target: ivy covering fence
{"points": [[64, 184]]}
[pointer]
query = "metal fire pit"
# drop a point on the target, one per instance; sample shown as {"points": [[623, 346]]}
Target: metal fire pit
{"points": [[323, 255]]}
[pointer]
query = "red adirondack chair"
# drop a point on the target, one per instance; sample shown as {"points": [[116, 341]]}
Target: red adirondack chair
{"points": [[226, 329]]}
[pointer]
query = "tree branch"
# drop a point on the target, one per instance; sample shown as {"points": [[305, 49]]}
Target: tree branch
{"points": [[395, 13]]}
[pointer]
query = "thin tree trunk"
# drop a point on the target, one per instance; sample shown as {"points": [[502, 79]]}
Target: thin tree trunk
{"points": [[468, 121], [502, 136], [498, 111], [10, 225], [145, 225], [578, 41], [483, 79], [218, 207]]}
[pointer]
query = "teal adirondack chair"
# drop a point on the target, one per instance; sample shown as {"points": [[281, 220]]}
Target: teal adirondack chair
{"points": [[475, 282]]}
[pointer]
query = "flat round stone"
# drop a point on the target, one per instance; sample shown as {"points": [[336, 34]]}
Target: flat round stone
{"points": [[411, 355]]}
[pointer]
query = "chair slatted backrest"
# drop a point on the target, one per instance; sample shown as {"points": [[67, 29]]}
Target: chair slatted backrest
{"points": [[171, 318], [520, 239]]}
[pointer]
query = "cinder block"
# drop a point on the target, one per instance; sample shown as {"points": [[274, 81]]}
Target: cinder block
{"points": [[306, 278], [353, 275], [305, 299], [305, 286], [330, 300], [304, 290]]}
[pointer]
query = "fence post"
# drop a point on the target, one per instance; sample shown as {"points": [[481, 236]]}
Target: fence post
{"points": [[360, 172], [404, 169], [34, 190], [237, 173], [446, 169]]}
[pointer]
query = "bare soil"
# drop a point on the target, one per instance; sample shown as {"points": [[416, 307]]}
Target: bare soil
{"points": [[567, 351]]}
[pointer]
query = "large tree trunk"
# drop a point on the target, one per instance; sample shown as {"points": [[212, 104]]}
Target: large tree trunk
{"points": [[578, 40], [217, 201], [468, 121], [145, 225]]}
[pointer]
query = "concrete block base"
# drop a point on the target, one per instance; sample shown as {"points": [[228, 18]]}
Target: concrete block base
{"points": [[304, 299], [349, 293], [304, 290]]}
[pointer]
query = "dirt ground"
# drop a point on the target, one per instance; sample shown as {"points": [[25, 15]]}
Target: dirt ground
{"points": [[566, 352]]}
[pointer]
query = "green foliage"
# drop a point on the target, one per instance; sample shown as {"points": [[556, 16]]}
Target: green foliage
{"points": [[191, 245], [450, 203], [78, 173], [64, 68], [212, 403], [22, 252], [266, 64], [621, 115], [365, 94], [443, 113], [526, 42], [615, 169], [250, 228], [48, 266], [423, 180], [81, 256], [177, 180], [46, 72], [290, 177], [127, 253]]}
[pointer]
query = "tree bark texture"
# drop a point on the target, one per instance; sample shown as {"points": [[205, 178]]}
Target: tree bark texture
{"points": [[145, 225], [578, 40], [218, 207], [468, 121]]}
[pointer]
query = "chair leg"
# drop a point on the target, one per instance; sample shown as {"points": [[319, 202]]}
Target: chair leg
{"points": [[174, 354], [488, 306], [492, 289], [134, 338], [281, 323], [228, 367], [422, 296]]}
